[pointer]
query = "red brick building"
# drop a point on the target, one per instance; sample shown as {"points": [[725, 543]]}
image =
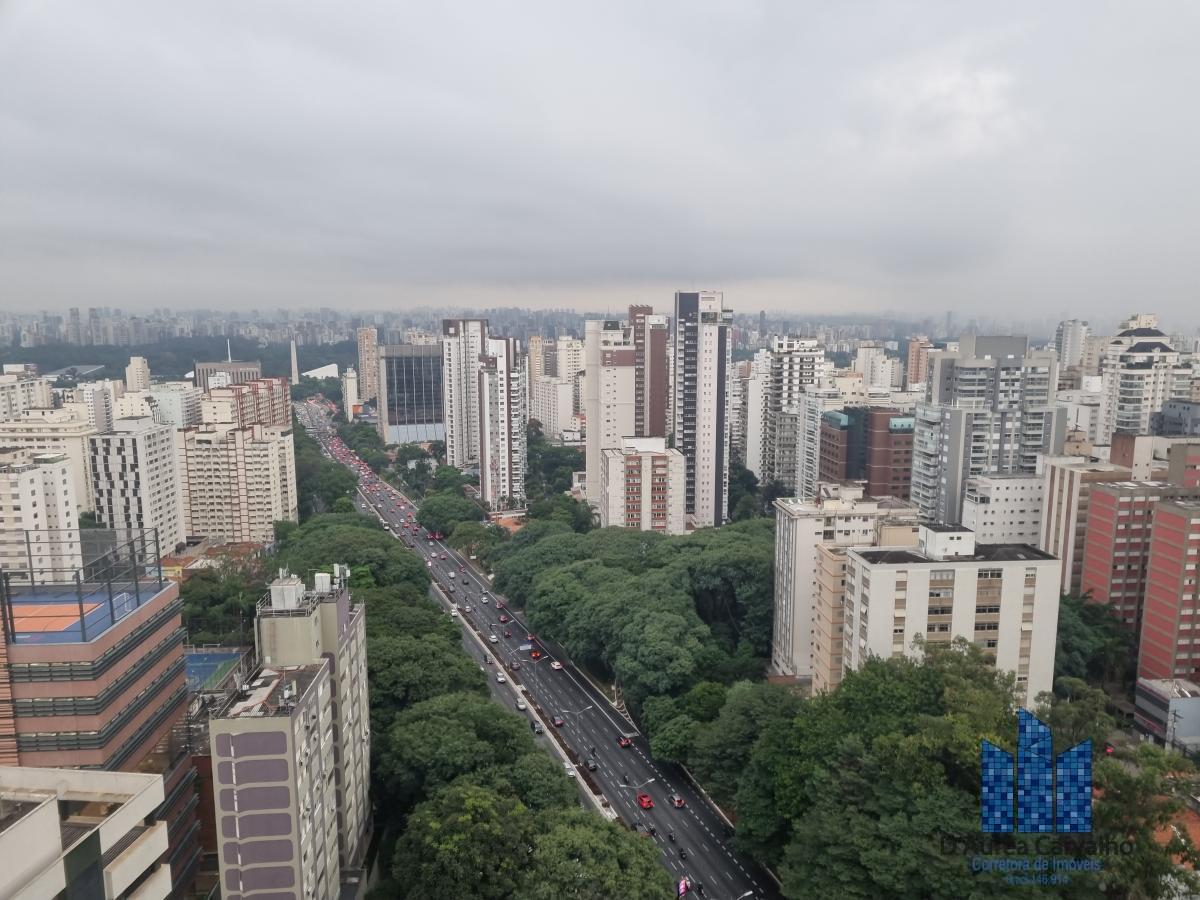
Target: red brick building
{"points": [[1170, 637]]}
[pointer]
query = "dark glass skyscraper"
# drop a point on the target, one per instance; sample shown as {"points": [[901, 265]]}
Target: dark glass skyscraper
{"points": [[410, 393]]}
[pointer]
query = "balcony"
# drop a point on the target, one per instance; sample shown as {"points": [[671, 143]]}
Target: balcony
{"points": [[70, 586]]}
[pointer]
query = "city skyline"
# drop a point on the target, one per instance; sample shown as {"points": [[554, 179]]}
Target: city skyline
{"points": [[826, 160]]}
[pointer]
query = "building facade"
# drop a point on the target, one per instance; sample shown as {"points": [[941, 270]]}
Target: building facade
{"points": [[208, 375], [1001, 597], [1004, 509], [263, 401], [989, 410], [701, 365], [1169, 638], [237, 482], [609, 394], [651, 335], [56, 431], [642, 485], [1141, 371], [411, 393], [134, 480], [552, 402], [39, 516], [1070, 338], [137, 374], [464, 342], [368, 363], [21, 391], [503, 420]]}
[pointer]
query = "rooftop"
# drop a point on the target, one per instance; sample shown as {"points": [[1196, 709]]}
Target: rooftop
{"points": [[983, 553], [1175, 688], [273, 691]]}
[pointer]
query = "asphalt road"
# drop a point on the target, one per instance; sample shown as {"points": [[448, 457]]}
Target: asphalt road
{"points": [[591, 726]]}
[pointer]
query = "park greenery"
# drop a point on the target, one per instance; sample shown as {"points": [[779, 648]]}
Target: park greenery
{"points": [[364, 440], [319, 480]]}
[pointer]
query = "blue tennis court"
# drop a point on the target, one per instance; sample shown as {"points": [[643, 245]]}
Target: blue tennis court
{"points": [[207, 667]]}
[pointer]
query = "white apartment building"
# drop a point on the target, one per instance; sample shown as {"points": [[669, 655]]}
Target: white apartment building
{"points": [[1070, 341], [552, 402], [989, 409], [176, 403], [642, 486], [609, 393], [39, 517], [1002, 597], [537, 357], [1004, 509], [1083, 411], [134, 479], [702, 359], [22, 391], [96, 400], [368, 362], [464, 342], [838, 516], [62, 431], [349, 393], [876, 367], [795, 365], [237, 482], [1140, 372], [755, 398], [568, 357], [504, 418], [137, 374], [264, 401]]}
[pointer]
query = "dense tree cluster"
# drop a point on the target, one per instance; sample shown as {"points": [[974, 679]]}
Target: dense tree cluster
{"points": [[319, 481], [329, 388], [364, 440], [1093, 644]]}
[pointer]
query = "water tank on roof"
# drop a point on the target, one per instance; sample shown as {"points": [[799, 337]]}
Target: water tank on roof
{"points": [[322, 582], [286, 593]]}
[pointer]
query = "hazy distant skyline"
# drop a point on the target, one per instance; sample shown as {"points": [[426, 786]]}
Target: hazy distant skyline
{"points": [[1025, 160]]}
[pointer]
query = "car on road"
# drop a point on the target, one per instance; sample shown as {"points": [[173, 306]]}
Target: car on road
{"points": [[558, 721], [530, 638], [644, 801], [677, 801], [500, 679], [492, 639], [522, 705], [556, 665], [537, 727], [570, 769], [428, 564], [443, 556], [591, 764], [535, 654], [516, 664], [454, 613], [623, 741], [467, 609], [504, 619]]}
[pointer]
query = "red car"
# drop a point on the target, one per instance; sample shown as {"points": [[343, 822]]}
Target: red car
{"points": [[644, 801], [623, 741], [535, 654], [503, 619], [559, 723]]}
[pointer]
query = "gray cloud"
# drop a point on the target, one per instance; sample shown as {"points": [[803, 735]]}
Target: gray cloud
{"points": [[1025, 156]]}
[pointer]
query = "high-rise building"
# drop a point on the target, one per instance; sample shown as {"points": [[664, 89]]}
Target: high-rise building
{"points": [[137, 374], [37, 511], [410, 393], [989, 410], [916, 370], [868, 443], [208, 375], [876, 367], [1178, 418], [96, 400], [236, 482], [21, 391], [754, 397], [651, 336], [1141, 371], [175, 403], [1169, 638], [702, 360], [1116, 552], [552, 403], [82, 834], [1069, 340], [1004, 509], [56, 431], [642, 485], [94, 676], [350, 396], [1001, 597], [568, 355], [504, 418], [291, 747], [537, 357], [609, 394], [464, 342], [134, 480], [839, 516], [1066, 499], [368, 363], [263, 401], [796, 364]]}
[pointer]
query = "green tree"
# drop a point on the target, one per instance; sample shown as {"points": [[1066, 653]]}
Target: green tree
{"points": [[673, 740], [448, 480], [1075, 712], [704, 700], [581, 857], [406, 669], [443, 511], [465, 841], [1092, 643], [535, 779], [475, 539], [343, 505]]}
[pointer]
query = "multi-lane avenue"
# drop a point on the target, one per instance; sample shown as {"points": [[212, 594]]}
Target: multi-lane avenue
{"points": [[693, 837]]}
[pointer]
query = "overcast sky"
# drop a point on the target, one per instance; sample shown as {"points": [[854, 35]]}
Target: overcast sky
{"points": [[1038, 158]]}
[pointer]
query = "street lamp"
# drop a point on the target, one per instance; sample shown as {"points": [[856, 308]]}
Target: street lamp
{"points": [[578, 711]]}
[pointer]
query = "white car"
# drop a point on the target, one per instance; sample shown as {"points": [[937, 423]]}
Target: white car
{"points": [[454, 613], [428, 564], [570, 769], [500, 679], [492, 639], [556, 665], [466, 609], [522, 705]]}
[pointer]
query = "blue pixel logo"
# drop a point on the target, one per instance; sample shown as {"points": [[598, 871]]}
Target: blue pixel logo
{"points": [[1049, 794]]}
